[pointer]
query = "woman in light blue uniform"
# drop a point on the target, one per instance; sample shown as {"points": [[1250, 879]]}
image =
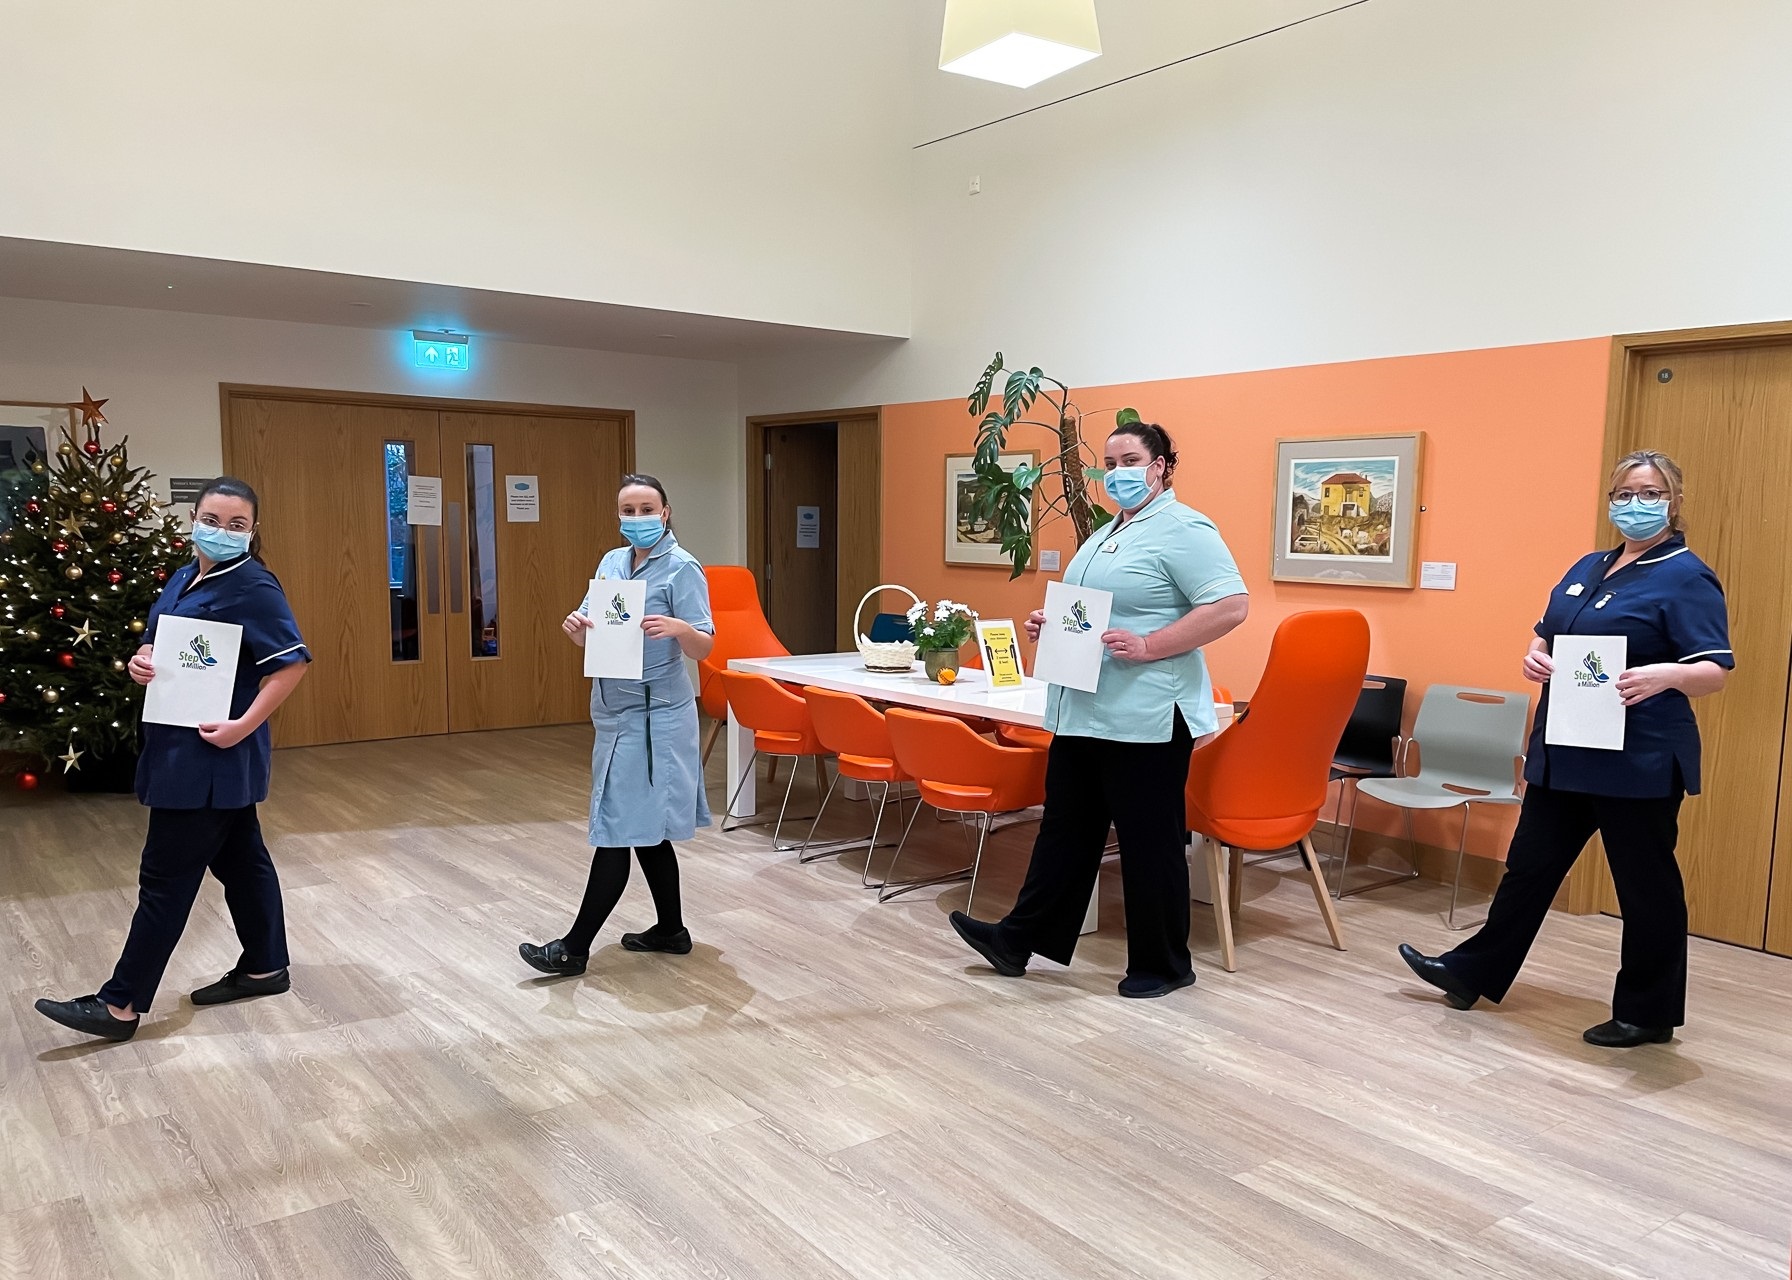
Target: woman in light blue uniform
{"points": [[202, 784], [1669, 607], [1120, 755], [646, 766]]}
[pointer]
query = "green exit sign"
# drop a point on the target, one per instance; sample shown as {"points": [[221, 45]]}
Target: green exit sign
{"points": [[441, 350]]}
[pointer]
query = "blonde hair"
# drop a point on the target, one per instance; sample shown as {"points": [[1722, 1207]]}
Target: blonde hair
{"points": [[1666, 467]]}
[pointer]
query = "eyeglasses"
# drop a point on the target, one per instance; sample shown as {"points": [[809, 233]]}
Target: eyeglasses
{"points": [[237, 525], [1623, 497]]}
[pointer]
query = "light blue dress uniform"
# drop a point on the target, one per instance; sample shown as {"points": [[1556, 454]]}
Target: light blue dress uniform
{"points": [[1163, 562], [646, 766]]}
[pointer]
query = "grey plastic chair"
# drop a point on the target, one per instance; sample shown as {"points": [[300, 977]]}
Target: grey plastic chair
{"points": [[1470, 742]]}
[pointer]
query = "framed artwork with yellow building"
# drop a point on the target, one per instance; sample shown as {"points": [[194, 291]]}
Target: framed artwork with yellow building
{"points": [[1346, 510]]}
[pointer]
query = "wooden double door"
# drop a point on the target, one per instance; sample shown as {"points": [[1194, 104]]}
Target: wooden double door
{"points": [[1720, 404], [427, 628]]}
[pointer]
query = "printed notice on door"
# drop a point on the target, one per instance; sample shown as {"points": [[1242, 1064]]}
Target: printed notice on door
{"points": [[423, 500], [522, 499]]}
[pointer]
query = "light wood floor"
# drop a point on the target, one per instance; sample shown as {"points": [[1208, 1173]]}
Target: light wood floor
{"points": [[827, 1087]]}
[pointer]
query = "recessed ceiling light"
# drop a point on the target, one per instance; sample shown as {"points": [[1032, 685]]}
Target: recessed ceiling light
{"points": [[1017, 42], [668, 335], [360, 304], [171, 286]]}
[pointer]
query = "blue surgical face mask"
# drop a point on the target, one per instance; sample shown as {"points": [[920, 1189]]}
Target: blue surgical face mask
{"points": [[643, 531], [220, 544], [1128, 487], [1639, 520]]}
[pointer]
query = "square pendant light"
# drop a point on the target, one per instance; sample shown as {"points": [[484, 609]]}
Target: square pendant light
{"points": [[1017, 42]]}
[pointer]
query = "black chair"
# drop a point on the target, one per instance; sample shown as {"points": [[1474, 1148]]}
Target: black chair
{"points": [[1369, 748]]}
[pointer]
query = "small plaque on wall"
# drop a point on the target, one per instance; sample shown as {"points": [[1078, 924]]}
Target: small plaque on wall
{"points": [[183, 491]]}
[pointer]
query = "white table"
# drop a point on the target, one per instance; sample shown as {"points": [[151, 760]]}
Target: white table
{"points": [[845, 673]]}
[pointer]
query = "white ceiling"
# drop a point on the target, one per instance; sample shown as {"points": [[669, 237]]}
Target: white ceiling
{"points": [[58, 272]]}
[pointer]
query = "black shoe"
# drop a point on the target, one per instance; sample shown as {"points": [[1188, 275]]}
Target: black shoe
{"points": [[675, 942], [1438, 974], [1621, 1035], [553, 958], [981, 938], [87, 1014], [240, 986], [1149, 987]]}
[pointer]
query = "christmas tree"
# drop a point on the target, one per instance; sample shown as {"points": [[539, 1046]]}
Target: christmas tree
{"points": [[89, 550]]}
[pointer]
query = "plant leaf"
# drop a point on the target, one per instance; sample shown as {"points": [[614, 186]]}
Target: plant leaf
{"points": [[1094, 475], [1020, 391], [978, 400], [1126, 417], [1027, 476], [1099, 516]]}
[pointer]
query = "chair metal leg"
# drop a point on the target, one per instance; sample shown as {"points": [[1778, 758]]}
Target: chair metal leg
{"points": [[894, 888], [728, 811], [804, 855], [1412, 858], [778, 827], [983, 825], [1456, 885], [732, 823], [1320, 892]]}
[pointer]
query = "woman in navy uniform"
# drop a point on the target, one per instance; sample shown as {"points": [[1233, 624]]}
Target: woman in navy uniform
{"points": [[646, 766], [1669, 607], [202, 785]]}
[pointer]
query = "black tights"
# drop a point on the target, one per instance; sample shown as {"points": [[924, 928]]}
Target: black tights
{"points": [[609, 874]]}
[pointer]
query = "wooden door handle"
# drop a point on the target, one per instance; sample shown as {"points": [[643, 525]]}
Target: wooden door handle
{"points": [[456, 559]]}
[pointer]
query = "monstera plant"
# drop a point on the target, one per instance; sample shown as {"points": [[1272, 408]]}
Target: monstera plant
{"points": [[1060, 482]]}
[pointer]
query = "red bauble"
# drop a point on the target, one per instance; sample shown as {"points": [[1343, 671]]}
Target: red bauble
{"points": [[66, 660], [177, 544], [59, 546], [2, 699], [56, 612], [108, 507], [91, 448], [34, 507], [161, 575], [115, 577], [27, 782]]}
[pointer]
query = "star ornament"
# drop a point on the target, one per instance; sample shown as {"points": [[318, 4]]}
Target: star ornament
{"points": [[71, 525], [85, 634], [71, 759], [90, 409]]}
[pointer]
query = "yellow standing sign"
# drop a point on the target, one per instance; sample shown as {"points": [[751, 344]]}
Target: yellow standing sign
{"points": [[1001, 653]]}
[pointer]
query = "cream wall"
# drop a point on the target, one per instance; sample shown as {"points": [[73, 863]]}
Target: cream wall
{"points": [[1406, 176], [709, 156], [161, 371]]}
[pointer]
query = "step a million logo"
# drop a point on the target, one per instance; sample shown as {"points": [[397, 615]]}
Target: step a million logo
{"points": [[1591, 672], [1077, 620], [617, 613], [197, 656]]}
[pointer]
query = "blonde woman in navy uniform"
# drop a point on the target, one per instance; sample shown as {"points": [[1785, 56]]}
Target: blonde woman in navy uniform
{"points": [[202, 785], [1669, 607], [646, 765]]}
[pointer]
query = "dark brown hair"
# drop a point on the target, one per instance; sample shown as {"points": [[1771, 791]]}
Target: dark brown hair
{"points": [[651, 482], [1157, 443]]}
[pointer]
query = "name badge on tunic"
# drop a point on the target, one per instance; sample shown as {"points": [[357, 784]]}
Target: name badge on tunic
{"points": [[1604, 600], [1108, 548], [1576, 589]]}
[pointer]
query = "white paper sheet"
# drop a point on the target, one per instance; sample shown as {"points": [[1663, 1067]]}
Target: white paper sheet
{"points": [[613, 648], [423, 500], [1070, 646], [195, 661], [522, 500], [1584, 710]]}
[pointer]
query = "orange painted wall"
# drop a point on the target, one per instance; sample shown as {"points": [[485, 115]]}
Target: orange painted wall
{"points": [[1509, 485]]}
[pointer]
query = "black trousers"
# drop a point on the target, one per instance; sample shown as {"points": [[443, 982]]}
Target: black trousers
{"points": [[1136, 787], [1640, 835], [183, 845]]}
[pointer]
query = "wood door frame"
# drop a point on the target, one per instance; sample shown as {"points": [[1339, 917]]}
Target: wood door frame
{"points": [[228, 391], [757, 426], [1589, 879]]}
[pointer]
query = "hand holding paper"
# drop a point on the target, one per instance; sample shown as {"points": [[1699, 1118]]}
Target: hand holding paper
{"points": [[1070, 647], [194, 663], [1585, 709]]}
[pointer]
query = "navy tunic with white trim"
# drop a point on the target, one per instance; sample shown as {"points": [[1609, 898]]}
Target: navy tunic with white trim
{"points": [[1669, 607], [180, 770]]}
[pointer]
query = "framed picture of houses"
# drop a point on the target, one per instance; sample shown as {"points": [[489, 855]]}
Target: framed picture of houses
{"points": [[1346, 510]]}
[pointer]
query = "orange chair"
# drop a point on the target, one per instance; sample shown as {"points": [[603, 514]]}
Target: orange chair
{"points": [[741, 632], [1261, 784], [781, 728], [958, 772], [855, 731]]}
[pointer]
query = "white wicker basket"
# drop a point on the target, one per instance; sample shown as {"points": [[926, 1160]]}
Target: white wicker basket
{"points": [[886, 655]]}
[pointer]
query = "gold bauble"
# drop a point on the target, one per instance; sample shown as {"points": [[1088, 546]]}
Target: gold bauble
{"points": [[50, 695], [30, 633], [116, 539], [38, 468], [137, 625], [86, 498], [118, 664], [72, 573], [65, 450]]}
